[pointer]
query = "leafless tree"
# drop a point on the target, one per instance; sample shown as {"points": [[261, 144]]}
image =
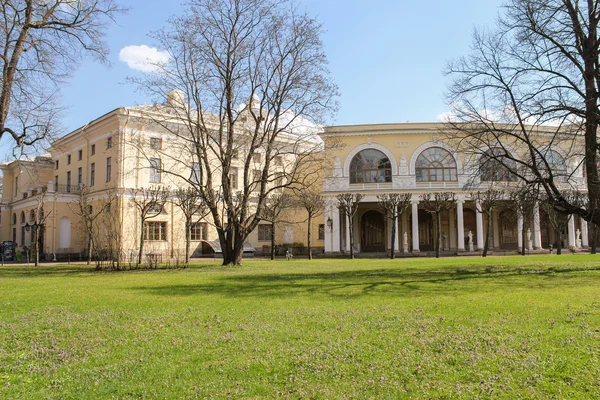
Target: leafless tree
{"points": [[533, 84], [523, 198], [312, 201], [348, 206], [488, 201], [252, 85], [393, 206], [193, 209], [42, 41], [557, 220], [149, 203], [83, 207], [436, 204], [109, 227], [275, 205], [38, 225]]}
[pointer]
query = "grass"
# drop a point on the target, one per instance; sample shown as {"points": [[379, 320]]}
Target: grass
{"points": [[501, 327]]}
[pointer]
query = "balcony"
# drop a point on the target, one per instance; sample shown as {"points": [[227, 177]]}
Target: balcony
{"points": [[73, 189]]}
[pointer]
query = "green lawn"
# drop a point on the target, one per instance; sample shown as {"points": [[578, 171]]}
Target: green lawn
{"points": [[501, 327]]}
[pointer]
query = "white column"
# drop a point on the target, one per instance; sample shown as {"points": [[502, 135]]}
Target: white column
{"points": [[496, 230], [404, 228], [452, 236], [336, 229], [571, 231], [396, 239], [347, 233], [328, 229], [479, 222], [415, 226], [537, 234], [461, 225], [520, 231], [585, 242]]}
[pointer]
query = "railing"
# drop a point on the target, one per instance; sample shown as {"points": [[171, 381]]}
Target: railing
{"points": [[74, 189]]}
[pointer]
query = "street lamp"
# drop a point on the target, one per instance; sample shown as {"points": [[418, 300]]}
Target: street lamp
{"points": [[329, 222], [35, 227]]}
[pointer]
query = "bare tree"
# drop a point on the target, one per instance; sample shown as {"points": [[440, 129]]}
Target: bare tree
{"points": [[393, 205], [487, 201], [523, 199], [42, 40], [83, 207], [193, 210], [252, 85], [38, 225], [532, 84], [312, 201], [436, 204], [348, 205], [108, 228], [276, 203], [149, 202], [557, 220]]}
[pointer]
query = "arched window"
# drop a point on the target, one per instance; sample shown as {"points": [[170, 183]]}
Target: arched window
{"points": [[370, 166], [555, 165], [32, 216], [436, 165], [14, 221], [493, 167], [22, 217]]}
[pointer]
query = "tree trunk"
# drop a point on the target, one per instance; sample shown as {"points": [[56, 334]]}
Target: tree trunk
{"points": [[559, 244], [438, 223], [594, 235], [523, 237], [488, 223], [351, 237], [393, 251], [141, 243], [89, 245], [188, 238], [272, 240], [308, 236], [37, 246]]}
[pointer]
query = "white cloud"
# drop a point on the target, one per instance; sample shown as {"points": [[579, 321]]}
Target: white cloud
{"points": [[143, 58]]}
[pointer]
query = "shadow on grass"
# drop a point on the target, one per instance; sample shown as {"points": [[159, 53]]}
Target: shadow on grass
{"points": [[24, 270], [393, 281]]}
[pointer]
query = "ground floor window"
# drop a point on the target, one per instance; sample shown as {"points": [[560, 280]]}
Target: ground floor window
{"points": [[322, 232], [155, 230], [199, 231], [264, 232]]}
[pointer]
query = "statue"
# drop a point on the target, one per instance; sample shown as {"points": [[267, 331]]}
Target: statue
{"points": [[446, 246], [470, 236], [529, 241], [578, 239], [405, 242]]}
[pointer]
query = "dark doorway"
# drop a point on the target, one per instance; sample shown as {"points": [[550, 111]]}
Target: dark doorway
{"points": [[373, 232]]}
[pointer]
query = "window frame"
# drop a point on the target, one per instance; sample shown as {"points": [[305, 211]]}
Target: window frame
{"points": [[155, 231], [198, 231], [264, 232], [448, 173], [155, 170], [375, 174]]}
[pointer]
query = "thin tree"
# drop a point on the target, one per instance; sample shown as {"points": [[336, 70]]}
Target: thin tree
{"points": [[531, 84], [41, 42], [435, 204], [39, 220], [393, 206], [84, 209], [275, 205], [149, 203], [193, 209], [557, 220], [488, 201], [348, 205], [312, 201], [252, 87], [523, 199]]}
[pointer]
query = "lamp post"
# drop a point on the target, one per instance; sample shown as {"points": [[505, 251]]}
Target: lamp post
{"points": [[35, 226]]}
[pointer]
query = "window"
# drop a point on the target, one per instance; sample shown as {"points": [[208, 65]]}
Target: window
{"points": [[278, 161], [155, 230], [264, 232], [256, 175], [370, 166], [556, 166], [93, 150], [32, 216], [156, 208], [17, 186], [256, 157], [233, 174], [321, 232], [80, 155], [435, 165], [156, 143], [68, 181], [279, 182], [109, 143], [155, 170], [196, 174], [69, 159], [79, 176], [14, 219], [22, 217], [55, 183], [56, 164], [108, 168], [493, 167], [92, 174], [199, 231], [234, 154]]}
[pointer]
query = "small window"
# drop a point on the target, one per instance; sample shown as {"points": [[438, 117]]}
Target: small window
{"points": [[79, 176], [80, 155], [234, 154], [108, 168], [199, 231], [155, 170], [92, 174], [196, 173], [93, 149], [109, 143], [233, 173], [156, 208], [156, 143], [256, 175], [264, 232], [278, 161], [155, 230], [68, 181], [69, 159], [56, 164], [256, 157], [55, 183], [321, 232]]}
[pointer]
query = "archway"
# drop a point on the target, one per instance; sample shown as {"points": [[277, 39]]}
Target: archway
{"points": [[426, 231], [373, 233]]}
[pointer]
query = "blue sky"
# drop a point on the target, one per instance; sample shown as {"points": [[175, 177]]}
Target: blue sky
{"points": [[386, 56]]}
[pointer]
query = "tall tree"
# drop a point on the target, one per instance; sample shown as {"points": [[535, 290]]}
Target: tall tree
{"points": [[42, 40], [348, 205], [193, 209], [275, 205], [393, 205], [149, 203], [487, 201], [252, 86], [533, 84], [435, 204], [312, 201]]}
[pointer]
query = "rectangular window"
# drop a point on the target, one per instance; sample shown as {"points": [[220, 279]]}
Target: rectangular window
{"points": [[199, 231], [234, 178], [80, 155], [155, 230], [256, 157], [109, 143], [17, 185], [155, 170], [264, 232], [156, 143], [93, 150], [321, 232], [56, 164], [256, 175], [278, 161], [55, 183], [79, 176], [92, 174], [234, 154], [108, 168], [195, 172], [69, 159], [68, 181], [279, 182]]}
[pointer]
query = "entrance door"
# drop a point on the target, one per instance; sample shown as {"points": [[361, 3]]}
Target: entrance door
{"points": [[508, 229], [373, 232]]}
